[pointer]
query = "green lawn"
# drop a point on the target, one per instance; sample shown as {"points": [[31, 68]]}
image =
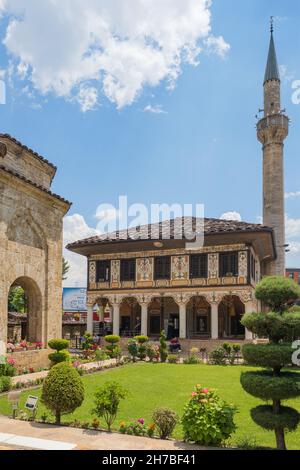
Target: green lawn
{"points": [[152, 385]]}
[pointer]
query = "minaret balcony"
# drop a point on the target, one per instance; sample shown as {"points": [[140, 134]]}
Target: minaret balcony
{"points": [[273, 128]]}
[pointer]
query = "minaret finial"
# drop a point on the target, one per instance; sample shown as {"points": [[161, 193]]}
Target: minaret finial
{"points": [[272, 24]]}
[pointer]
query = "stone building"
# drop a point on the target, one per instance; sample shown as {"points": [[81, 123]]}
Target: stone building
{"points": [[157, 282], [30, 239]]}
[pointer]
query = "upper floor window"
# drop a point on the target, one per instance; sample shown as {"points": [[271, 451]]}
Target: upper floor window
{"points": [[103, 271], [198, 266], [162, 267], [127, 270], [228, 264]]}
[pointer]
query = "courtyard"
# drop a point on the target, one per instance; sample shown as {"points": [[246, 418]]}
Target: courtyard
{"points": [[170, 385]]}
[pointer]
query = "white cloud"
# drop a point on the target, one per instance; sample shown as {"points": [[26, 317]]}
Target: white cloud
{"points": [[217, 45], [87, 97], [75, 228], [292, 227], [233, 215], [292, 195], [112, 47], [155, 109]]}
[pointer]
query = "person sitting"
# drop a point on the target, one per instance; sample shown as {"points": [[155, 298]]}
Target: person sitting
{"points": [[175, 345]]}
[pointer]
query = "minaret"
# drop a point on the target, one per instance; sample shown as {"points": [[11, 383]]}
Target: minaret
{"points": [[272, 129]]}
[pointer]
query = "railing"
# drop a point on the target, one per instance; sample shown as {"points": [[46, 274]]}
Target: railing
{"points": [[278, 120]]}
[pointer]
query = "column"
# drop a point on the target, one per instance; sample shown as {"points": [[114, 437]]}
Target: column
{"points": [[249, 308], [116, 319], [89, 326], [144, 319], [182, 320], [214, 320]]}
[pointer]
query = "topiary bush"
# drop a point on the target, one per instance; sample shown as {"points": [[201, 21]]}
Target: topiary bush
{"points": [[207, 420], [58, 344], [113, 349], [61, 354], [63, 390], [163, 350], [280, 327], [142, 347], [165, 420]]}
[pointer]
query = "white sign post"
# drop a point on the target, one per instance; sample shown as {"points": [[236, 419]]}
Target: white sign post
{"points": [[31, 404]]}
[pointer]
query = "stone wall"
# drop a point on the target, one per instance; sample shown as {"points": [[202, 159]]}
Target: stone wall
{"points": [[35, 359]]}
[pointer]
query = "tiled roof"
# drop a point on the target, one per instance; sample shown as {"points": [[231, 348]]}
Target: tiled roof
{"points": [[35, 154], [178, 228], [26, 180]]}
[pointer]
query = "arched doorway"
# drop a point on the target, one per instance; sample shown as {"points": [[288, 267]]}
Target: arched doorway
{"points": [[231, 309], [103, 317], [130, 317], [163, 314], [198, 318], [25, 311]]}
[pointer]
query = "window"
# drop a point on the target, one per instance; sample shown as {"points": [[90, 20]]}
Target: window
{"points": [[228, 264], [103, 271], [162, 267], [198, 266], [128, 270]]}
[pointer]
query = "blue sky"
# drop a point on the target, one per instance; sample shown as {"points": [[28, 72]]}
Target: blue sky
{"points": [[199, 146]]}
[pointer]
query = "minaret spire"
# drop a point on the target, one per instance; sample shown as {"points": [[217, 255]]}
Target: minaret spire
{"points": [[272, 70]]}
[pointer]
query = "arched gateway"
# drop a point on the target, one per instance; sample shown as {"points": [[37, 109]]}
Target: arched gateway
{"points": [[30, 239]]}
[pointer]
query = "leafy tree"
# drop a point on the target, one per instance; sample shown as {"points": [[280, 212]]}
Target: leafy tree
{"points": [[65, 269], [280, 327], [107, 401], [63, 390], [17, 300]]}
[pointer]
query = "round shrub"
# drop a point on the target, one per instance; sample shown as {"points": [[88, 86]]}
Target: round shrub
{"points": [[173, 358], [141, 339], [59, 356], [218, 357], [112, 339], [273, 356], [5, 384], [63, 390], [268, 325], [288, 418], [265, 385], [58, 344], [276, 291], [207, 420], [165, 421]]}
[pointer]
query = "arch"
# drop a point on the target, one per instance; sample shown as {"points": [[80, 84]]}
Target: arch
{"points": [[163, 314], [33, 330], [198, 317], [130, 317], [230, 310]]}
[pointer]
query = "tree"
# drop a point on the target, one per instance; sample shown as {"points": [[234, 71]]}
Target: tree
{"points": [[63, 390], [17, 300], [65, 268], [280, 327], [107, 400]]}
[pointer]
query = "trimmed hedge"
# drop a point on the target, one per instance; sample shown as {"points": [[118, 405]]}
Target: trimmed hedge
{"points": [[266, 386], [276, 291], [112, 339], [59, 356], [273, 356], [288, 418], [58, 344]]}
